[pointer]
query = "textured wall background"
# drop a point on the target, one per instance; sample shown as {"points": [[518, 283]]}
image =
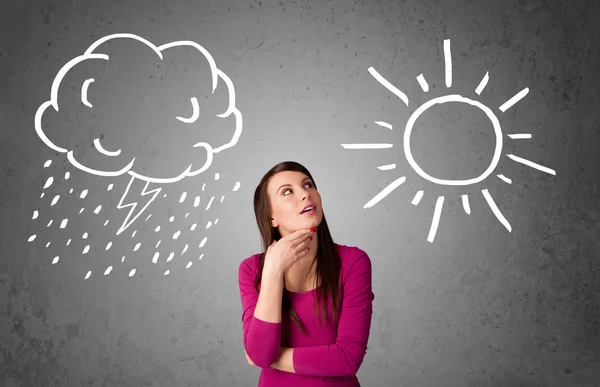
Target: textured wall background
{"points": [[480, 306]]}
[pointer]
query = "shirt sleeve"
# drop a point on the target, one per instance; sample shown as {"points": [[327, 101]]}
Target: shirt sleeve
{"points": [[346, 355], [262, 339]]}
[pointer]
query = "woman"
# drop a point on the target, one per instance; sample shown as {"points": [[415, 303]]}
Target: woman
{"points": [[306, 301]]}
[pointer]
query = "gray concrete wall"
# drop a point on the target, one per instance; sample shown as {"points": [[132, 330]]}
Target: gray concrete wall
{"points": [[479, 305]]}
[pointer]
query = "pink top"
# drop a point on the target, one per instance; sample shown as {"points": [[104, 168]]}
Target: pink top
{"points": [[328, 355]]}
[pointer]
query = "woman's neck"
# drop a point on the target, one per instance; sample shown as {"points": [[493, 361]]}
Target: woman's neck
{"points": [[301, 275]]}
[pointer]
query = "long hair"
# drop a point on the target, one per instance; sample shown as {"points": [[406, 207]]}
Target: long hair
{"points": [[328, 262]]}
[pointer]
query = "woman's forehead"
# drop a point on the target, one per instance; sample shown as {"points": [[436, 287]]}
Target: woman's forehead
{"points": [[286, 177]]}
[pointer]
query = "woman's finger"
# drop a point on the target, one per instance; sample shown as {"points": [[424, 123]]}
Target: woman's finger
{"points": [[306, 238], [303, 245]]}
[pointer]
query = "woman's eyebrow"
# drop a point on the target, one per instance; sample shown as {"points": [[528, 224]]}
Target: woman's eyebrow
{"points": [[288, 184]]}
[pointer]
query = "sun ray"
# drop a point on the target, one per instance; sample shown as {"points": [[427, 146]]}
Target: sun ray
{"points": [[448, 62], [417, 199], [423, 83], [387, 167], [517, 136], [532, 164], [384, 124], [465, 203], [385, 192], [505, 179], [483, 83], [436, 219], [495, 210], [388, 85], [367, 146], [516, 98]]}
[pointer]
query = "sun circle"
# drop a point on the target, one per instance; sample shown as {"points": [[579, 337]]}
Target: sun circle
{"points": [[453, 98]]}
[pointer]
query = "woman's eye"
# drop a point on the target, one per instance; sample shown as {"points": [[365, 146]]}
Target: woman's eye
{"points": [[309, 184]]}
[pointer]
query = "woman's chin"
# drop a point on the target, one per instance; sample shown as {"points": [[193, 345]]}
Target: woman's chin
{"points": [[313, 223]]}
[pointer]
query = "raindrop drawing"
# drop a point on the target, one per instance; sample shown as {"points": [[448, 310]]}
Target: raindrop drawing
{"points": [[135, 202], [408, 152]]}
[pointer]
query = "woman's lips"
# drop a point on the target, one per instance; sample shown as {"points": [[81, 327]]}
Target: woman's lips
{"points": [[309, 212]]}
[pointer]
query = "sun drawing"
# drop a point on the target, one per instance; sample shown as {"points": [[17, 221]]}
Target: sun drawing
{"points": [[406, 142]]}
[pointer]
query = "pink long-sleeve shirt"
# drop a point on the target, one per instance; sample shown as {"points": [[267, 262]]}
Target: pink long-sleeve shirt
{"points": [[327, 355]]}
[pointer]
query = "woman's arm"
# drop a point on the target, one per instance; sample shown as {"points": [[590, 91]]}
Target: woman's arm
{"points": [[268, 306], [345, 356], [261, 316], [285, 360]]}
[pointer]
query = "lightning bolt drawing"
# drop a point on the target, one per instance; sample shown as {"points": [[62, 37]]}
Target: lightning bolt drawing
{"points": [[128, 219]]}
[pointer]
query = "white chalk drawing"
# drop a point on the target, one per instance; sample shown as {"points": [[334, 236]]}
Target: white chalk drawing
{"points": [[408, 152], [137, 203]]}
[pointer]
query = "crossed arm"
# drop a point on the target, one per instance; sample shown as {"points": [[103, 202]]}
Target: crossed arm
{"points": [[283, 362], [262, 338]]}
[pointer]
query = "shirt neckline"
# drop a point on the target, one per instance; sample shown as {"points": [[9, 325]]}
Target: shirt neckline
{"points": [[299, 293]]}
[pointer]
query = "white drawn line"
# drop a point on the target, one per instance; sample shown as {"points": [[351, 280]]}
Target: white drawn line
{"points": [[367, 146], [209, 204], [423, 83], [63, 71], [54, 98], [216, 75], [187, 172], [532, 164], [104, 151], [195, 112], [444, 99], [417, 199], [436, 219], [505, 179], [385, 192], [517, 136], [232, 109], [84, 92], [127, 222], [82, 167], [517, 97], [209, 158], [387, 167], [388, 85], [98, 42], [49, 182], [465, 203], [483, 83], [204, 51], [495, 210], [448, 62], [384, 124]]}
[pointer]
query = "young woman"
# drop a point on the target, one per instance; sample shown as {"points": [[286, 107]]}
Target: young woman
{"points": [[306, 300]]}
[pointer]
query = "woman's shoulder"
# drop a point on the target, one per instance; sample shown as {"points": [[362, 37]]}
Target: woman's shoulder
{"points": [[349, 255], [355, 263], [250, 263]]}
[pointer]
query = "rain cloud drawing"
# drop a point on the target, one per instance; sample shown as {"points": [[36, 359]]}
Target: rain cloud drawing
{"points": [[408, 130], [115, 140]]}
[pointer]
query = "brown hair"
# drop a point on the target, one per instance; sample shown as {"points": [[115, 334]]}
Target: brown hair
{"points": [[328, 259]]}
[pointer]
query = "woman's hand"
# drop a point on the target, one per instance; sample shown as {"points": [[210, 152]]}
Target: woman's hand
{"points": [[248, 359], [282, 254]]}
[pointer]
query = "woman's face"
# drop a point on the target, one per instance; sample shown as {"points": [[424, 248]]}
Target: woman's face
{"points": [[289, 193]]}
